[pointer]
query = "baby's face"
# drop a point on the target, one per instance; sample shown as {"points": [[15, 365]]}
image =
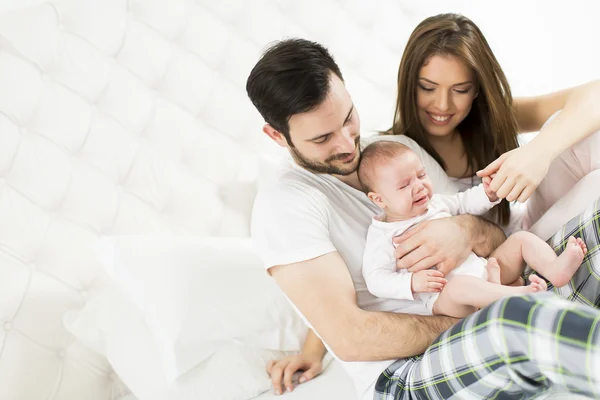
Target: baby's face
{"points": [[404, 186]]}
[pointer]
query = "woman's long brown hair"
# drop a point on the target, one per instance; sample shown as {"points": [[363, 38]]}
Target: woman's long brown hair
{"points": [[490, 129]]}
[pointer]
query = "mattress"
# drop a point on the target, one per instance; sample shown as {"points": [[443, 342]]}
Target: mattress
{"points": [[114, 114]]}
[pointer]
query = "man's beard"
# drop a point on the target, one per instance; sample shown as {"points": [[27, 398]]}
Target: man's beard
{"points": [[327, 166]]}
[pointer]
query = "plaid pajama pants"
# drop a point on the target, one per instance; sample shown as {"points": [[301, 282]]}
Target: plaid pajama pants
{"points": [[519, 347]]}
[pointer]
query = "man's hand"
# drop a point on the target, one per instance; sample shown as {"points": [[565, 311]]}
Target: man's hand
{"points": [[283, 370], [428, 281], [442, 243]]}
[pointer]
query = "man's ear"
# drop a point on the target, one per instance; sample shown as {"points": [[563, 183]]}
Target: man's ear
{"points": [[275, 135], [376, 198]]}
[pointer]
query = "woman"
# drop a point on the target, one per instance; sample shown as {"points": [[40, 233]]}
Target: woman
{"points": [[455, 102]]}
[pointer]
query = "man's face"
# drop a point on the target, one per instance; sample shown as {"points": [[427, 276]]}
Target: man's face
{"points": [[326, 139]]}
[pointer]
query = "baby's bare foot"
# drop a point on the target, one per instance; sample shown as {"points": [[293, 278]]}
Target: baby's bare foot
{"points": [[581, 244], [537, 284], [493, 270], [568, 262]]}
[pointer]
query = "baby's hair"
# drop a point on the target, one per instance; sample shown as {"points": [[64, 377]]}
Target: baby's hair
{"points": [[374, 155]]}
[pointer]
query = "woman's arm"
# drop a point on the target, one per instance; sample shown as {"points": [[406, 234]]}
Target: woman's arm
{"points": [[519, 172], [533, 112], [579, 118]]}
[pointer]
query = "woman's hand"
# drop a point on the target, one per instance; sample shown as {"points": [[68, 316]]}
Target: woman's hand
{"points": [[518, 173], [282, 371], [443, 243]]}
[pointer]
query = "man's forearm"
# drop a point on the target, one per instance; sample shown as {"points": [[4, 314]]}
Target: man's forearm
{"points": [[313, 346], [385, 336], [485, 236]]}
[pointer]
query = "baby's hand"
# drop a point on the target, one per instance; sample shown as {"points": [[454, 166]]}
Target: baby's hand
{"points": [[428, 281], [486, 186]]}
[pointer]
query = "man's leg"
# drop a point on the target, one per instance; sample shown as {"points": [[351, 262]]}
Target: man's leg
{"points": [[516, 348]]}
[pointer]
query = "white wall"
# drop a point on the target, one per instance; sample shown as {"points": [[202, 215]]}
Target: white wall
{"points": [[542, 45]]}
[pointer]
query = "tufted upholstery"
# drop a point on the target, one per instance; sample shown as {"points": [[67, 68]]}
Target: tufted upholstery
{"points": [[123, 117]]}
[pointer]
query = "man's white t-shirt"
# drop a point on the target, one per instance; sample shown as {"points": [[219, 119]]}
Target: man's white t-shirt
{"points": [[300, 215]]}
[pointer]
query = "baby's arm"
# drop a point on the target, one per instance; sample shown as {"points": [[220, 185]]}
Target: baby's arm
{"points": [[472, 201], [384, 282], [379, 269]]}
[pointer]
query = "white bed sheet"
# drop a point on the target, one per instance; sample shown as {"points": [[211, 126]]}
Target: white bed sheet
{"points": [[333, 383]]}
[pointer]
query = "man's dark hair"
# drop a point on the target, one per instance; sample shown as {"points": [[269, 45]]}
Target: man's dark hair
{"points": [[291, 77]]}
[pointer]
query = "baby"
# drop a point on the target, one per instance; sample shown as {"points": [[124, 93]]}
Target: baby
{"points": [[394, 179]]}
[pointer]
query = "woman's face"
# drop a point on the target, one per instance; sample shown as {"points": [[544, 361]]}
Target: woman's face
{"points": [[445, 93]]}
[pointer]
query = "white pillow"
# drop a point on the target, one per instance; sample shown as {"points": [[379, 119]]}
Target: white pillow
{"points": [[198, 296], [113, 326]]}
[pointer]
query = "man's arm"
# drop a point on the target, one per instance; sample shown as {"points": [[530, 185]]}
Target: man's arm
{"points": [[313, 346], [310, 361], [485, 235], [446, 242], [323, 291]]}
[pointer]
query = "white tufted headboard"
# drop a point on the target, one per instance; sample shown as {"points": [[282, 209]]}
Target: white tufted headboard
{"points": [[122, 117]]}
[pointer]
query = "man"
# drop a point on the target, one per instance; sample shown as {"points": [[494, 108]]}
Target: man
{"points": [[309, 227]]}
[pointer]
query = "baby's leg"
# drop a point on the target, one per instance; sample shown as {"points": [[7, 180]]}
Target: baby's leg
{"points": [[494, 274], [493, 270], [510, 257], [524, 247], [464, 294]]}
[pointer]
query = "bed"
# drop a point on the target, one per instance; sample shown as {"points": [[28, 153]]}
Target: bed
{"points": [[128, 118]]}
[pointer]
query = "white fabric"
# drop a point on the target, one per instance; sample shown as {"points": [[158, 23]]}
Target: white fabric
{"points": [[198, 296], [379, 264], [111, 122], [563, 177], [116, 328], [300, 215], [130, 117], [580, 196], [333, 383]]}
